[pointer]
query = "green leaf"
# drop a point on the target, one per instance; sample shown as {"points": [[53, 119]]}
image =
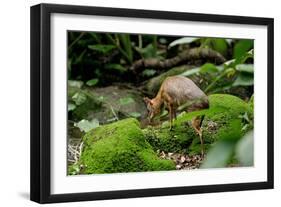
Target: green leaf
{"points": [[163, 40], [126, 100], [251, 53], [230, 72], [75, 83], [135, 114], [148, 52], [208, 68], [244, 79], [114, 66], [183, 40], [71, 106], [229, 63], [219, 45], [74, 169], [191, 72], [95, 36], [248, 68], [101, 98], [219, 154], [148, 72], [229, 41], [85, 125], [244, 57], [245, 150], [127, 45], [245, 117], [118, 46], [241, 47], [92, 82], [251, 102], [104, 49], [79, 98]]}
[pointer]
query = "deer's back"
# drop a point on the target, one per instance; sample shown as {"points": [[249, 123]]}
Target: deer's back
{"points": [[180, 90]]}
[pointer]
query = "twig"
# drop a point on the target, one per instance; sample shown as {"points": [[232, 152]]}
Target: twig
{"points": [[113, 112], [74, 152], [76, 40]]}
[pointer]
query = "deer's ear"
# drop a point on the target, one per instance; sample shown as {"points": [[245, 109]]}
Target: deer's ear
{"points": [[147, 100]]}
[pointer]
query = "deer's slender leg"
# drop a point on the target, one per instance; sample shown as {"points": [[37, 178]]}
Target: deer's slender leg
{"points": [[171, 113], [196, 125], [175, 114]]}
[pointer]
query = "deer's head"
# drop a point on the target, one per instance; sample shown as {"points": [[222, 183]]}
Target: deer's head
{"points": [[152, 108]]}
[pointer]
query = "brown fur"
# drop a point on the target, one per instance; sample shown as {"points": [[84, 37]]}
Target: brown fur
{"points": [[174, 92]]}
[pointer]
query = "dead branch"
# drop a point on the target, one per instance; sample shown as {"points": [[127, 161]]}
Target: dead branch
{"points": [[74, 151], [187, 55]]}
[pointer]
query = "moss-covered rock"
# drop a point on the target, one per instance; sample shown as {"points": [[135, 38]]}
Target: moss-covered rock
{"points": [[120, 147], [221, 120], [177, 140]]}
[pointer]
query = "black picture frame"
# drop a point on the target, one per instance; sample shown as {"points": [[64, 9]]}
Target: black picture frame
{"points": [[41, 96]]}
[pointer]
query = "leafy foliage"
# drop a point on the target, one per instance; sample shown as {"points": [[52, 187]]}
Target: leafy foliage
{"points": [[85, 125], [148, 72], [126, 100], [104, 49], [183, 40], [79, 98], [71, 106], [231, 74], [75, 83], [92, 82], [234, 143], [219, 154], [135, 114], [245, 149], [117, 67], [220, 45], [241, 47]]}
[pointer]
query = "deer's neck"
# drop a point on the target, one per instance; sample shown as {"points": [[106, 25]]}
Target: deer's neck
{"points": [[158, 101]]}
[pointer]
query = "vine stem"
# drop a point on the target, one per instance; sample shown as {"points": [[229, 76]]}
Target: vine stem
{"points": [[76, 40]]}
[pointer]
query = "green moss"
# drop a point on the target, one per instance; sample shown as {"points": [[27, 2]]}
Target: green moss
{"points": [[225, 111], [177, 140], [120, 147], [232, 105]]}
